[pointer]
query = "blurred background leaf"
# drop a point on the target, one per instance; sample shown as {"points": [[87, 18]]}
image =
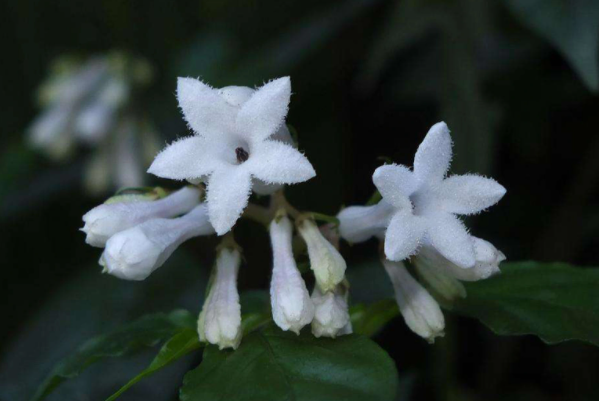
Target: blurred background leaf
{"points": [[572, 26]]}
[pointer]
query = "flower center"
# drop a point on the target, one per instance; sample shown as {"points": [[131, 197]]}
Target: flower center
{"points": [[242, 154]]}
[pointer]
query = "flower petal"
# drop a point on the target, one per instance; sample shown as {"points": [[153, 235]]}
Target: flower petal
{"points": [[263, 114], [403, 235], [275, 162], [204, 109], [236, 95], [228, 191], [468, 194], [434, 154], [185, 158], [450, 238], [395, 183]]}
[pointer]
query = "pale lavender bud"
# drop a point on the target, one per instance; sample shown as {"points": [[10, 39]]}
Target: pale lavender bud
{"points": [[487, 262], [220, 319], [325, 260], [331, 314], [103, 221], [420, 311], [135, 253], [292, 307]]}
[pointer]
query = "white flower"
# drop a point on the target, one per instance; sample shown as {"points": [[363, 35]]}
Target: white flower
{"points": [[103, 221], [487, 262], [233, 144], [420, 311], [331, 316], [292, 307], [359, 223], [326, 261], [135, 253], [426, 202], [220, 320]]}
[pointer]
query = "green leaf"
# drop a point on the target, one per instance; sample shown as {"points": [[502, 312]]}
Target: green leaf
{"points": [[572, 26], [181, 344], [144, 332], [274, 365], [555, 301], [370, 319]]}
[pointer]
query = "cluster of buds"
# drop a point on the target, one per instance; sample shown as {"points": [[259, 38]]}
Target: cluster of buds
{"points": [[292, 305], [140, 231], [92, 102], [242, 145]]}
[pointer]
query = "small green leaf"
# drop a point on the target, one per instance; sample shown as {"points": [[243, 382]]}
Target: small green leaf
{"points": [[554, 301], [572, 26], [272, 365], [144, 332], [370, 319], [181, 344]]}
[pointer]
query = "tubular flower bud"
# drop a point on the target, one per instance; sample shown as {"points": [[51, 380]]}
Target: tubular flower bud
{"points": [[326, 261], [134, 253], [420, 311], [103, 221], [440, 281], [359, 223], [220, 320], [487, 261], [292, 307], [330, 312]]}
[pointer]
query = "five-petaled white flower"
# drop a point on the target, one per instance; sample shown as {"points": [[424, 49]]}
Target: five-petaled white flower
{"points": [[233, 145], [426, 203]]}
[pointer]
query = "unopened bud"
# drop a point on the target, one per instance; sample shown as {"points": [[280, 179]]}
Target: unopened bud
{"points": [[133, 254], [325, 260], [220, 320], [104, 221], [487, 262], [419, 309], [331, 315], [292, 307]]}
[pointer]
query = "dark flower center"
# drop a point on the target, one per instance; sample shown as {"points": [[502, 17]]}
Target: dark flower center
{"points": [[242, 154]]}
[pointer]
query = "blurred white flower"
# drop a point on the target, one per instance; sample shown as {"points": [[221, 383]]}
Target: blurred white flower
{"points": [[325, 260], [419, 309], [331, 315], [103, 221], [90, 103], [220, 319], [292, 307], [133, 254], [233, 145]]}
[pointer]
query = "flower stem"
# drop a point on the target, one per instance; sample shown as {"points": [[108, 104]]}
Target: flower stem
{"points": [[258, 213]]}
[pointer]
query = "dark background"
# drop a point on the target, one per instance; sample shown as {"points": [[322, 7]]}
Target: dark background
{"points": [[369, 78]]}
